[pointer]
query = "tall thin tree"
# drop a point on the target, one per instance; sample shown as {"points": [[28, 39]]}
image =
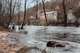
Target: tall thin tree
{"points": [[10, 13], [37, 11], [24, 14], [19, 5], [44, 11], [64, 10]]}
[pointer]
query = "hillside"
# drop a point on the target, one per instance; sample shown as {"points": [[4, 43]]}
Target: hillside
{"points": [[49, 6]]}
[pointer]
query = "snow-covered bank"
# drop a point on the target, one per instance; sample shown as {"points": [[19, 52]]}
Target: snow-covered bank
{"points": [[54, 29], [31, 29]]}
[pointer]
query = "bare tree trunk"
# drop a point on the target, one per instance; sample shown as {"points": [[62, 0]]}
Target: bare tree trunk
{"points": [[44, 11], [36, 11], [24, 15], [13, 12], [10, 15], [65, 15], [18, 22], [0, 6]]}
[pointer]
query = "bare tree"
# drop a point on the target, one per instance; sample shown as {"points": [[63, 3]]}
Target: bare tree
{"points": [[64, 10], [44, 11], [9, 9], [37, 11], [0, 13], [10, 13], [0, 5], [24, 14], [19, 8]]}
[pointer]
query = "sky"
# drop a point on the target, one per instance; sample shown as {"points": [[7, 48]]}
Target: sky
{"points": [[0, 0], [30, 3]]}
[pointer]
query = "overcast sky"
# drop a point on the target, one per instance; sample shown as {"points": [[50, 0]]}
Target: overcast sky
{"points": [[0, 0], [31, 4]]}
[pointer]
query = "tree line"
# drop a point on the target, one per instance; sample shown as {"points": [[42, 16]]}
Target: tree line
{"points": [[10, 9]]}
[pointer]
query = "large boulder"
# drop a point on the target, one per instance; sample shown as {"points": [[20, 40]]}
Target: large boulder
{"points": [[56, 44], [51, 44], [63, 44]]}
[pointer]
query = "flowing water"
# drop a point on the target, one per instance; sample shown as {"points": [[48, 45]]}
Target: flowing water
{"points": [[38, 36]]}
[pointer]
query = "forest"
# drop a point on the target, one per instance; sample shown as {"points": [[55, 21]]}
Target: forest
{"points": [[11, 13]]}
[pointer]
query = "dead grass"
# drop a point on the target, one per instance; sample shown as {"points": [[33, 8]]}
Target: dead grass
{"points": [[23, 32], [26, 49], [3, 29], [44, 51], [23, 50]]}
